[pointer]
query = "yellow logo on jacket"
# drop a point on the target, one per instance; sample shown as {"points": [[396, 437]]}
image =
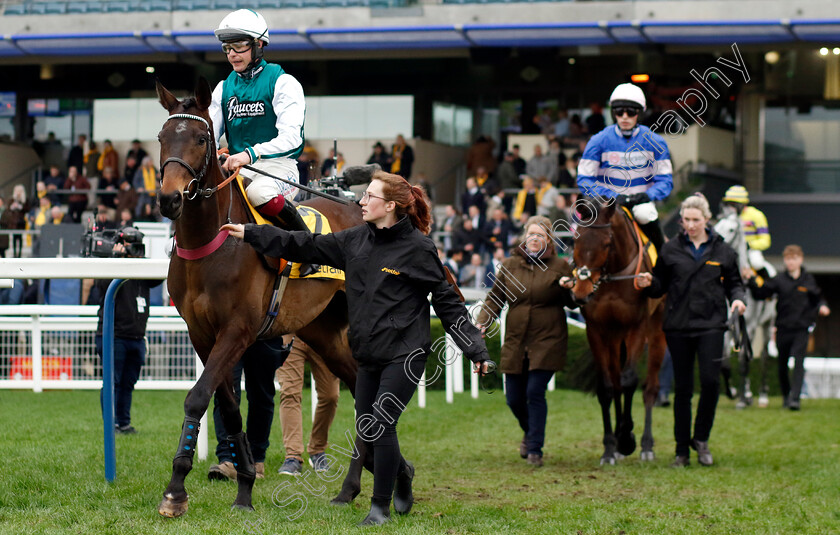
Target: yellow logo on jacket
{"points": [[712, 263], [802, 289], [391, 271]]}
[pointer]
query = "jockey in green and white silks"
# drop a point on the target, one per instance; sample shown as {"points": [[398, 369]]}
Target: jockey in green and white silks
{"points": [[260, 109]]}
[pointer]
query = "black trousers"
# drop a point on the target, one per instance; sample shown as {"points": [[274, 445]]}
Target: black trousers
{"points": [[525, 395], [707, 348], [259, 367], [382, 394], [792, 343]]}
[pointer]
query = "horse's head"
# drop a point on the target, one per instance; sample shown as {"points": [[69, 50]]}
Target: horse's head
{"points": [[592, 246], [187, 148], [729, 227]]}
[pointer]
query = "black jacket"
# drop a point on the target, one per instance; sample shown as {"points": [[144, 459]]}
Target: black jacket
{"points": [[389, 274], [130, 313], [799, 299], [697, 290]]}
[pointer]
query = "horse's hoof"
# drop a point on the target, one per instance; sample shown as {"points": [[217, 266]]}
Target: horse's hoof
{"points": [[345, 497], [172, 509], [648, 456], [339, 503], [618, 456], [610, 460], [241, 507], [627, 444]]}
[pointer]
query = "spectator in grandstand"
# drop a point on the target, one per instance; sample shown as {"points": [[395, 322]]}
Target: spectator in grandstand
{"points": [[473, 196], [482, 178], [536, 335], [126, 197], [452, 260], [126, 218], [577, 131], [527, 199], [544, 121], [519, 162], [76, 202], [539, 164], [133, 160], [507, 175], [57, 216], [329, 163], [14, 218], [556, 160], [76, 157], [630, 162], [131, 313], [54, 180], [756, 231], [291, 378], [259, 364], [108, 181], [145, 184], [104, 218], [37, 218], [567, 175], [498, 230], [91, 168], [476, 217], [402, 158], [379, 156], [472, 275], [561, 127], [108, 158], [271, 139], [596, 122], [493, 266], [699, 272], [800, 301], [451, 222], [468, 238], [547, 195], [480, 159]]}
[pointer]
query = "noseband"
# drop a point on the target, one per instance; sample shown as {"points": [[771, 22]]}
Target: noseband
{"points": [[197, 176]]}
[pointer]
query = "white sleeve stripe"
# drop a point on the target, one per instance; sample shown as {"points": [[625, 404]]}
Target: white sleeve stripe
{"points": [[663, 167], [588, 167]]}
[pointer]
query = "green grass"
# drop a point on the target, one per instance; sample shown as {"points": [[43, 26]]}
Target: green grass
{"points": [[775, 472]]}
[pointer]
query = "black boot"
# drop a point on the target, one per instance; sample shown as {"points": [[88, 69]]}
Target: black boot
{"points": [[290, 216], [654, 234], [403, 495], [379, 514]]}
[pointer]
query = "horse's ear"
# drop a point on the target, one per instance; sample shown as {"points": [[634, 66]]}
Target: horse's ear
{"points": [[167, 99], [585, 210], [203, 94], [607, 210]]}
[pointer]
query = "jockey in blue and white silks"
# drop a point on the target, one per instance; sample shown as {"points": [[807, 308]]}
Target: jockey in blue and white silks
{"points": [[628, 161]]}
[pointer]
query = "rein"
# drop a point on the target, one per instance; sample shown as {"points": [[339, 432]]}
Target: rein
{"points": [[197, 176]]}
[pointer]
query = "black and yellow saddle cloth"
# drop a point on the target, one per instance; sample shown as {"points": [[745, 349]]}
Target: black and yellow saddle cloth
{"points": [[646, 245], [317, 223]]}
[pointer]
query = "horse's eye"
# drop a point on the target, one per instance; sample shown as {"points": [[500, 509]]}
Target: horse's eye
{"points": [[202, 140]]}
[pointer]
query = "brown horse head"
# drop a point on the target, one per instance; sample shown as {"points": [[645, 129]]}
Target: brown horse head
{"points": [[593, 246], [188, 148]]}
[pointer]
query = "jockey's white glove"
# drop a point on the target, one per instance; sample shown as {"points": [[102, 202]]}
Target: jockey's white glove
{"points": [[645, 213], [756, 259]]}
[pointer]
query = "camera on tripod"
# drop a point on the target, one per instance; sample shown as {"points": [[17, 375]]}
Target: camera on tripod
{"points": [[100, 243]]}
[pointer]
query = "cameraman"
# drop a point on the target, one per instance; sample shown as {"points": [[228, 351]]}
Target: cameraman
{"points": [[131, 312]]}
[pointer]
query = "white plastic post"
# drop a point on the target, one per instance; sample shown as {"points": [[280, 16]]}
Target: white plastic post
{"points": [[37, 353], [450, 380], [313, 396], [202, 447], [459, 373], [551, 385], [502, 321], [474, 385], [421, 391]]}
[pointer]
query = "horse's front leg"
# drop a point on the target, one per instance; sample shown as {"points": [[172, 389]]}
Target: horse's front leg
{"points": [[218, 365], [352, 484]]}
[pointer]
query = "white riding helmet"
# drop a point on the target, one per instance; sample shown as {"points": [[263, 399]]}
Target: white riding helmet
{"points": [[628, 94], [243, 24]]}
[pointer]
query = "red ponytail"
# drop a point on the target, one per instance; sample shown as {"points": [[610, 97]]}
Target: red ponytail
{"points": [[410, 200]]}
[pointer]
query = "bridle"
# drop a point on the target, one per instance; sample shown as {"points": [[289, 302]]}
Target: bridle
{"points": [[197, 176], [585, 273]]}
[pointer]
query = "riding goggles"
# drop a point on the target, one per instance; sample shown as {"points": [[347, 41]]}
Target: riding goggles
{"points": [[630, 111], [237, 46]]}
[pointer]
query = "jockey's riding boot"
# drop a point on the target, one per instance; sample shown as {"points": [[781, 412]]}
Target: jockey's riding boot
{"points": [[284, 211], [654, 233]]}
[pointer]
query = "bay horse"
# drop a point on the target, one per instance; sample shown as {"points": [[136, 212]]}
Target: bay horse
{"points": [[224, 296], [619, 321]]}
